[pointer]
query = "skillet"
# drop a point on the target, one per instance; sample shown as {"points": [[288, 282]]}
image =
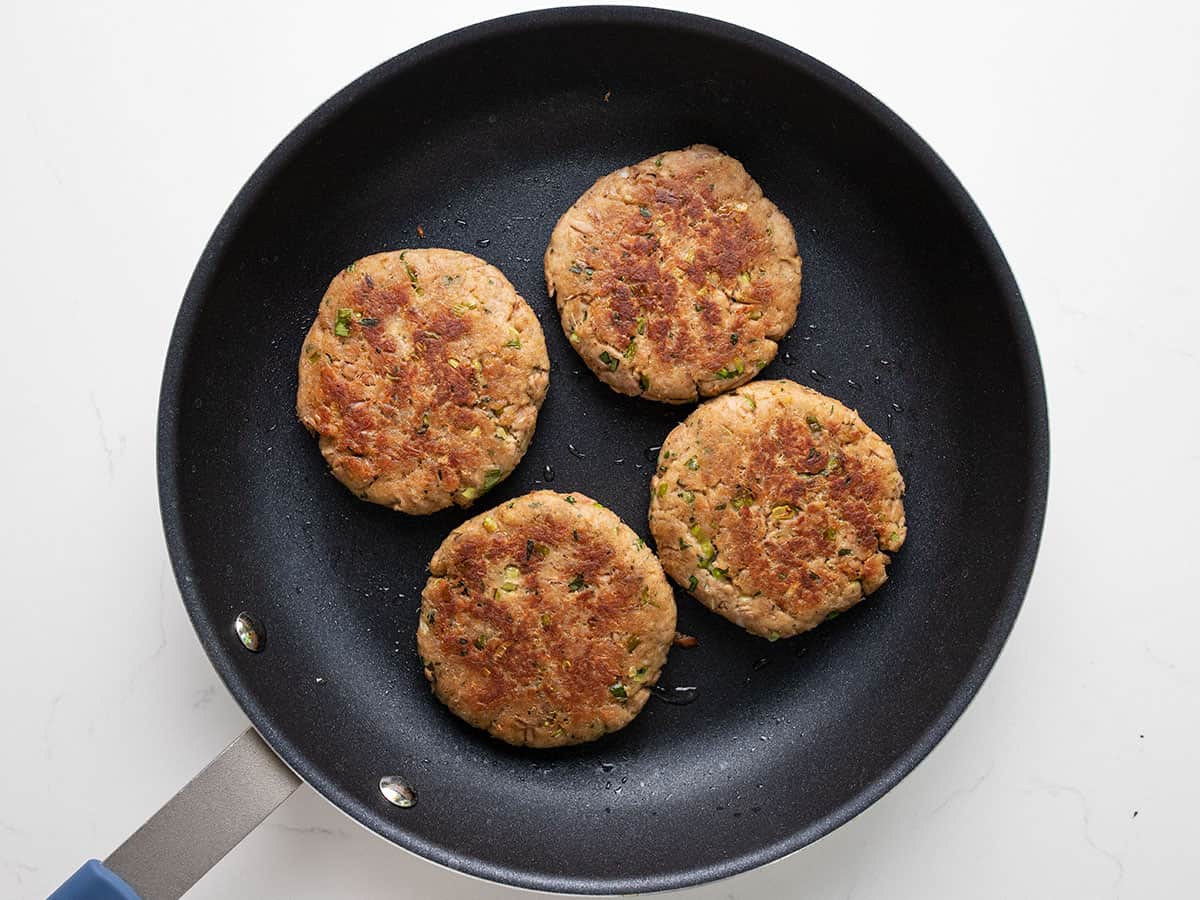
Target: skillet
{"points": [[483, 137]]}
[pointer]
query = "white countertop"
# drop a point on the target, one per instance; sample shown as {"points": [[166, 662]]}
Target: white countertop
{"points": [[1076, 127]]}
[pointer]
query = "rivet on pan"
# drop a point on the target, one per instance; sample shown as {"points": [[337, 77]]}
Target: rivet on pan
{"points": [[397, 791], [249, 632]]}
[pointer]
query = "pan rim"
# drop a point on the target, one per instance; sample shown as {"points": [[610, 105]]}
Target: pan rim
{"points": [[1026, 542]]}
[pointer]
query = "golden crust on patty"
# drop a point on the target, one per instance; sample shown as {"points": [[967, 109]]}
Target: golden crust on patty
{"points": [[545, 621], [675, 277], [422, 377], [776, 507]]}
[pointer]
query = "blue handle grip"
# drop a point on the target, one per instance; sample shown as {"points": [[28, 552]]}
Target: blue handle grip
{"points": [[94, 882]]}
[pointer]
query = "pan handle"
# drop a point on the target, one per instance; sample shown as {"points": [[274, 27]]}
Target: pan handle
{"points": [[92, 881], [193, 830]]}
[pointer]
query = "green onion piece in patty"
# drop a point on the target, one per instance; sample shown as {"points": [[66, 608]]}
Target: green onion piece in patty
{"points": [[511, 574], [726, 372], [706, 546]]}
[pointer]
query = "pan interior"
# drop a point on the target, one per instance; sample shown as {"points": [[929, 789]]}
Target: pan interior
{"points": [[908, 314]]}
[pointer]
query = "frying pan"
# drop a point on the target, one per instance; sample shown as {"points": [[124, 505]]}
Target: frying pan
{"points": [[483, 137]]}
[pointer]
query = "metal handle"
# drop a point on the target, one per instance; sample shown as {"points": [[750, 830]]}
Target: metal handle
{"points": [[209, 817]]}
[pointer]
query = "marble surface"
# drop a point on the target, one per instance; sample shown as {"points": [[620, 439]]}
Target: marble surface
{"points": [[129, 127]]}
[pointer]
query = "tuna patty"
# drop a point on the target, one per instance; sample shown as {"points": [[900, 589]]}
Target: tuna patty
{"points": [[422, 377], [776, 507], [545, 621], [675, 277]]}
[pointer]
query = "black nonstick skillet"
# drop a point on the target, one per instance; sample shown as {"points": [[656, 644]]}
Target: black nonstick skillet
{"points": [[482, 138]]}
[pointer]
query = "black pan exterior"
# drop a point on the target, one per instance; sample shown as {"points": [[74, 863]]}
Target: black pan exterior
{"points": [[909, 314]]}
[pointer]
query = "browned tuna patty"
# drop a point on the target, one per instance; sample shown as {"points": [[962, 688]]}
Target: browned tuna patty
{"points": [[675, 277], [422, 377], [545, 621], [776, 507]]}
